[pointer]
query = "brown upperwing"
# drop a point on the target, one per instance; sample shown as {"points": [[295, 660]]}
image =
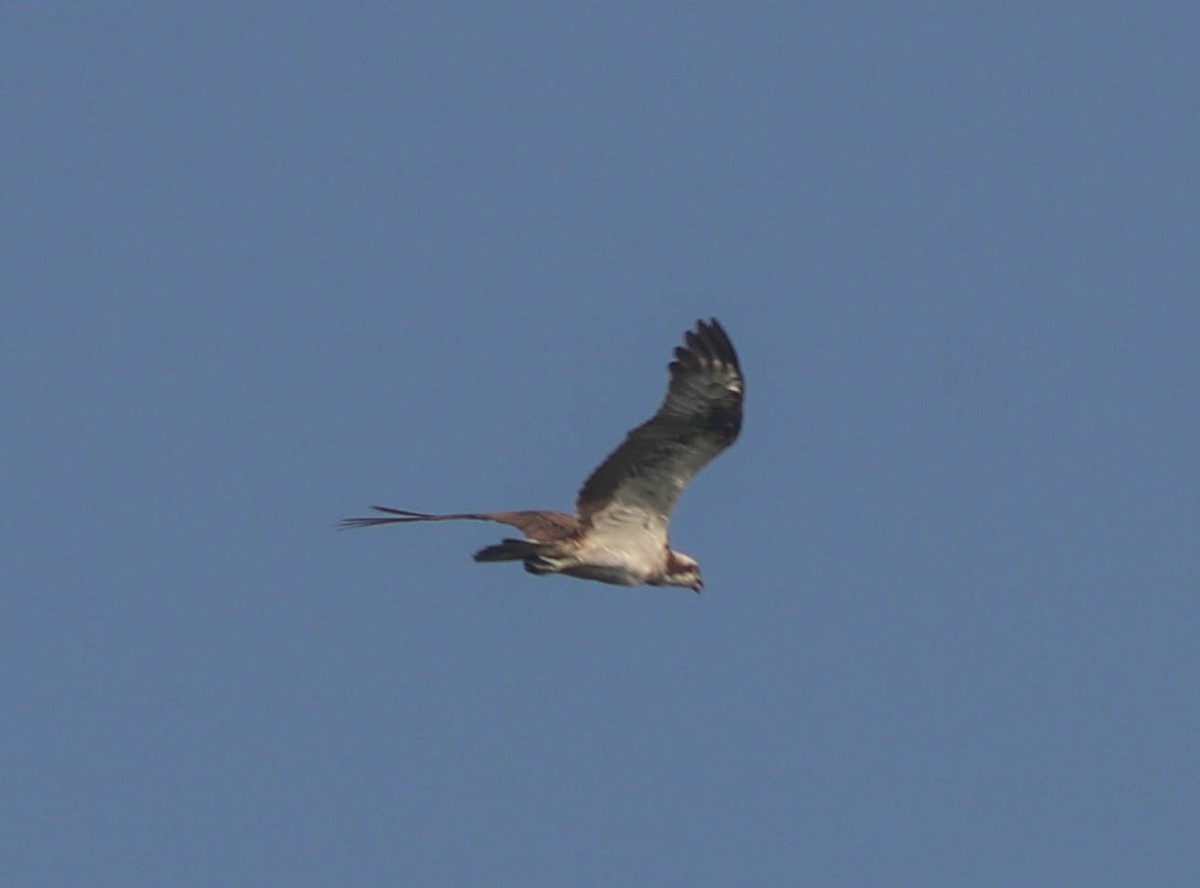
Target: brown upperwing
{"points": [[544, 527]]}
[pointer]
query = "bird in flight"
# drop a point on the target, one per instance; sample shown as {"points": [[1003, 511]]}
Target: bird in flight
{"points": [[619, 532]]}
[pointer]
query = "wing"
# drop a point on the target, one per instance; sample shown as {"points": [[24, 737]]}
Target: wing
{"points": [[542, 527], [700, 417]]}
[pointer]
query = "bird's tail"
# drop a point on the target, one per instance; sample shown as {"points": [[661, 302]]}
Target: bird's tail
{"points": [[539, 558], [510, 550]]}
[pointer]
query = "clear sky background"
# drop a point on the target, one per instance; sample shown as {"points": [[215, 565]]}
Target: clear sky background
{"points": [[266, 264]]}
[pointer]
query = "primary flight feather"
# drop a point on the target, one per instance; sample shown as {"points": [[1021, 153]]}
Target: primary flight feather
{"points": [[619, 532]]}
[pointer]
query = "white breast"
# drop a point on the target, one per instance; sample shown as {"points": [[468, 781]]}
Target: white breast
{"points": [[626, 540]]}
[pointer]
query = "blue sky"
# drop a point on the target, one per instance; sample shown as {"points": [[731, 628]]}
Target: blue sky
{"points": [[268, 264]]}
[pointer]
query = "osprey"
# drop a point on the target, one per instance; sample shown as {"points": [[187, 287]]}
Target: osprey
{"points": [[619, 532]]}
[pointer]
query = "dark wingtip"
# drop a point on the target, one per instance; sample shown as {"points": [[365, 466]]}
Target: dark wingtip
{"points": [[415, 516], [708, 341], [405, 516]]}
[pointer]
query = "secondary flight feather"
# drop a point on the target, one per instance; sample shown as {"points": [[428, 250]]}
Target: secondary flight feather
{"points": [[620, 530]]}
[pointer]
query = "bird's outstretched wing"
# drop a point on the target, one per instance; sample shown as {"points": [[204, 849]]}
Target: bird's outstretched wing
{"points": [[700, 417], [540, 526]]}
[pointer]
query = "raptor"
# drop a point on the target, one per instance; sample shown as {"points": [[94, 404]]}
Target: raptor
{"points": [[620, 530]]}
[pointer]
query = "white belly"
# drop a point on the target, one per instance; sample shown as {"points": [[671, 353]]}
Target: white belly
{"points": [[618, 576], [620, 548]]}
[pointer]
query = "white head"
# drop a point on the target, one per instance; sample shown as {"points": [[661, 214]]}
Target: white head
{"points": [[682, 570]]}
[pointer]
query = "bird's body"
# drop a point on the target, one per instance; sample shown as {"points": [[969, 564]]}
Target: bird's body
{"points": [[619, 533]]}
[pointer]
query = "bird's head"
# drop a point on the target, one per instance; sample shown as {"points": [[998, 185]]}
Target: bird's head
{"points": [[682, 570]]}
